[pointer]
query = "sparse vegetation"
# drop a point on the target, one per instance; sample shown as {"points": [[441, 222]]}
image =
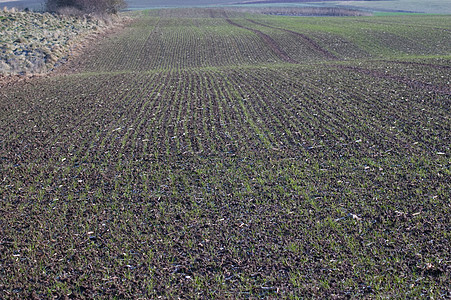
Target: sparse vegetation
{"points": [[213, 154], [85, 6], [34, 43]]}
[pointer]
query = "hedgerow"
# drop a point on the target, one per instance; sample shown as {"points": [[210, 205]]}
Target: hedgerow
{"points": [[85, 6]]}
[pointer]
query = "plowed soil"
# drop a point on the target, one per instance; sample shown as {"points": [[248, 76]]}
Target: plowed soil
{"points": [[200, 157]]}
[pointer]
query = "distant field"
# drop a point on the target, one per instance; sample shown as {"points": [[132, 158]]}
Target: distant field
{"points": [[419, 6], [22, 4], [206, 153]]}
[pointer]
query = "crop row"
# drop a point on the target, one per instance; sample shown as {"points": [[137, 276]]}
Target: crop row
{"points": [[161, 42], [156, 184], [144, 175], [353, 38], [208, 110]]}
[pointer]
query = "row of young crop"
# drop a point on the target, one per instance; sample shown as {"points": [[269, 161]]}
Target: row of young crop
{"points": [[236, 182], [359, 110], [163, 183], [177, 92], [162, 43], [351, 38], [431, 73], [219, 111], [297, 47]]}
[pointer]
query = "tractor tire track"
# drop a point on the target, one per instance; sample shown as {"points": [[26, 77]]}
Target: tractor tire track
{"points": [[269, 41], [310, 42]]}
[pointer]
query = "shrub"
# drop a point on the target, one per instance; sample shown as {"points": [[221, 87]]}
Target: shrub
{"points": [[85, 6]]}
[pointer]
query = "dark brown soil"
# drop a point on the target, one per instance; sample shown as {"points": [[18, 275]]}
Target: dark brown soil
{"points": [[119, 179]]}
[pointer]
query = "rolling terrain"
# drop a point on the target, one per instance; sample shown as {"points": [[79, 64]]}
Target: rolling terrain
{"points": [[388, 6], [204, 153]]}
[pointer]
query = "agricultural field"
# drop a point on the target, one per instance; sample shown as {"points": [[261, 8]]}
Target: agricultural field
{"points": [[387, 6], [418, 6], [207, 153]]}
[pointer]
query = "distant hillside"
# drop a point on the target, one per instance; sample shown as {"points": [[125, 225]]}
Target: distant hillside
{"points": [[22, 4], [420, 6]]}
